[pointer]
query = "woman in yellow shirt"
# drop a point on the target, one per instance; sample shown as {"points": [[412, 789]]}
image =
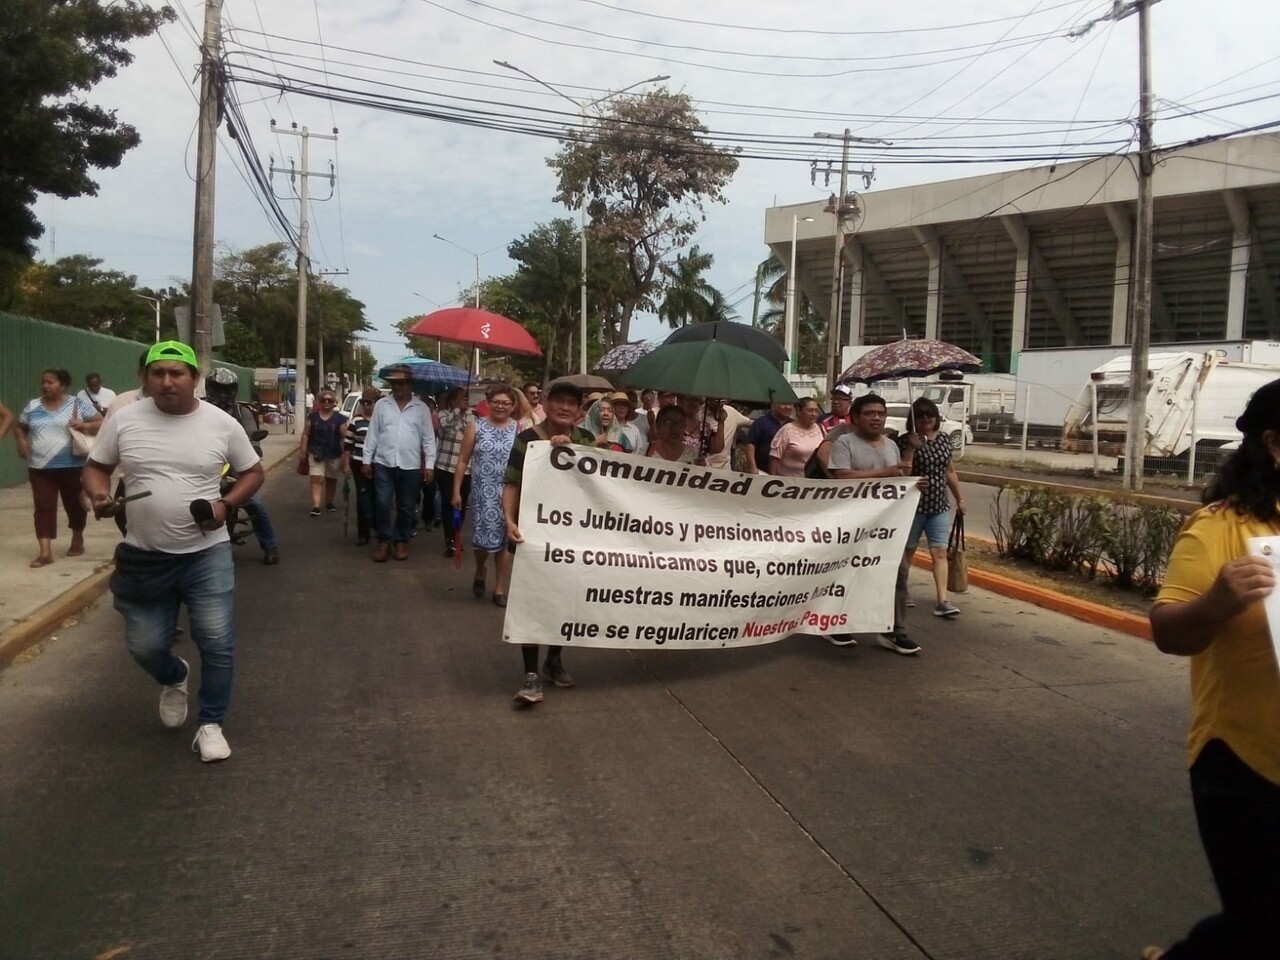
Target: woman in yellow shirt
{"points": [[1210, 609]]}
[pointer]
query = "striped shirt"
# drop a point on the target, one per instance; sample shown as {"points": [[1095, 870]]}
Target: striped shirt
{"points": [[356, 430]]}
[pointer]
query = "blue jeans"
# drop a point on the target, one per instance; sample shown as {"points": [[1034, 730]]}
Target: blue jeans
{"points": [[261, 520], [398, 490], [148, 589]]}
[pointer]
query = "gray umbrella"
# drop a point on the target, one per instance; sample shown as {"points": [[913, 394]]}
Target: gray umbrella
{"points": [[625, 355]]}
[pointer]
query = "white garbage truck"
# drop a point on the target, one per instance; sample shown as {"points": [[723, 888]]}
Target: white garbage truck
{"points": [[1193, 399]]}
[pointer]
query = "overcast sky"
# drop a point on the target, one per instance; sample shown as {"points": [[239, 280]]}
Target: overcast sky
{"points": [[958, 69]]}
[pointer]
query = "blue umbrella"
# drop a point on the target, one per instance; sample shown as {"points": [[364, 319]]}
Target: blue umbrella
{"points": [[432, 372]]}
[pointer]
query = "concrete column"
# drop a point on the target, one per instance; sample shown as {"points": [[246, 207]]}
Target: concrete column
{"points": [[1121, 225], [1021, 296], [855, 271], [932, 244], [1241, 245]]}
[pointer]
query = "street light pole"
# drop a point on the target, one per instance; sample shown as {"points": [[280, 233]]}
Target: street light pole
{"points": [[583, 106], [475, 351], [437, 306], [157, 306]]}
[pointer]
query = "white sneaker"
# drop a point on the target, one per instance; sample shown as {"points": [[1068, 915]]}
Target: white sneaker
{"points": [[173, 701], [210, 743]]}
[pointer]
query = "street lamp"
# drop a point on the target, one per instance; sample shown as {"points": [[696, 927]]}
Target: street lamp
{"points": [[475, 351], [437, 306], [583, 106], [157, 305], [789, 322]]}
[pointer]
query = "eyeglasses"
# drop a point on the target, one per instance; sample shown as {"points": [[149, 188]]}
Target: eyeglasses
{"points": [[328, 400], [500, 403]]}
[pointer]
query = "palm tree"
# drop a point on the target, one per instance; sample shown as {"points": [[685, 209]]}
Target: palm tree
{"points": [[689, 298], [811, 327]]}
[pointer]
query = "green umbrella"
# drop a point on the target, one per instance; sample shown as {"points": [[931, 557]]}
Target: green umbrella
{"points": [[708, 368]]}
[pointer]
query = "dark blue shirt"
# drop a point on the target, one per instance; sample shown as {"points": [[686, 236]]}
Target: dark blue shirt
{"points": [[761, 435]]}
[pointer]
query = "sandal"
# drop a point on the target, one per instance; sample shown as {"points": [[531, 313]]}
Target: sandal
{"points": [[499, 599], [41, 562], [477, 588]]}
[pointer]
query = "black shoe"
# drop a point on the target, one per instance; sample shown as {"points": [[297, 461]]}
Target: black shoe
{"points": [[331, 508], [270, 556], [477, 587], [315, 512], [448, 552]]}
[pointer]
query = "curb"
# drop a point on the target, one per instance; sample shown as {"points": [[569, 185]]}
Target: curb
{"points": [[43, 622], [1083, 610], [27, 633]]}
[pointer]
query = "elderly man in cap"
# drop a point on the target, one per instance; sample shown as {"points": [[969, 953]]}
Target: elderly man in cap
{"points": [[176, 552], [400, 456], [841, 405]]}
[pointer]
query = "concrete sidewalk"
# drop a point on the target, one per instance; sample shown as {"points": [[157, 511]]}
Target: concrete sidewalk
{"points": [[34, 602]]}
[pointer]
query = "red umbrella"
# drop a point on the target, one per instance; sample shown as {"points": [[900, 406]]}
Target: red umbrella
{"points": [[477, 328]]}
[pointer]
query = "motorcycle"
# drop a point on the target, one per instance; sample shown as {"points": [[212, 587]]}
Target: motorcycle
{"points": [[239, 523]]}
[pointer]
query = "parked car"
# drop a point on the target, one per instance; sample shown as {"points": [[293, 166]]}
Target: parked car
{"points": [[895, 422], [352, 400]]}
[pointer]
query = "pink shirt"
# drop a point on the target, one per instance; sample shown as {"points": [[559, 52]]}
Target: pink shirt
{"points": [[793, 445]]}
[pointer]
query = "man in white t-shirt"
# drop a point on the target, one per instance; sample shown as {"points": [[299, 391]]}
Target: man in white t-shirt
{"points": [[177, 551], [95, 394]]}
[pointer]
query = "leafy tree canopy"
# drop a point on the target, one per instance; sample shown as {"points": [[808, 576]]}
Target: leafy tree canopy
{"points": [[646, 172], [76, 291], [51, 53]]}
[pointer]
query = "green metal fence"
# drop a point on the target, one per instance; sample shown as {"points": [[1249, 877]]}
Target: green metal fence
{"points": [[28, 346]]}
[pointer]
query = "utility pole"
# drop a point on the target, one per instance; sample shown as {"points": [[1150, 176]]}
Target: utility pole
{"points": [[844, 207], [1135, 446], [206, 155], [1141, 313], [755, 303], [304, 260]]}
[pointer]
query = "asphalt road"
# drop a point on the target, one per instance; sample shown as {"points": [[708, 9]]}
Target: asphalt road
{"points": [[1016, 791]]}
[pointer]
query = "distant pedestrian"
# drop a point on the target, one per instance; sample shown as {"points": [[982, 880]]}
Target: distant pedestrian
{"points": [[562, 403], [53, 467], [321, 446], [932, 455], [221, 389], [455, 420], [760, 436], [353, 453], [399, 454], [95, 394], [173, 447], [796, 441], [533, 393], [1210, 608], [486, 448], [841, 404]]}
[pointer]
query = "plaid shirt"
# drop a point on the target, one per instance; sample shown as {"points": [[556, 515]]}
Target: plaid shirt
{"points": [[453, 425]]}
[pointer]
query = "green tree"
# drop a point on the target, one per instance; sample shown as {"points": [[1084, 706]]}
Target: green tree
{"points": [[646, 172], [51, 53], [77, 292], [244, 347]]}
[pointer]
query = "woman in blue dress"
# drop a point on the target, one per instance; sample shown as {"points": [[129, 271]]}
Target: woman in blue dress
{"points": [[486, 445]]}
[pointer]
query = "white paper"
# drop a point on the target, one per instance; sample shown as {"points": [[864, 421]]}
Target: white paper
{"points": [[1269, 549]]}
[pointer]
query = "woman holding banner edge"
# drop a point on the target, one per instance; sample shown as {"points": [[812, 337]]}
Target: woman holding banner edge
{"points": [[561, 405]]}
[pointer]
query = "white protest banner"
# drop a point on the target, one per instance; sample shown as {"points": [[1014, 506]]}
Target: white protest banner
{"points": [[624, 551]]}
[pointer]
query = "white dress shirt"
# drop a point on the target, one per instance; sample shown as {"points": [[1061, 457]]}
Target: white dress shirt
{"points": [[405, 439]]}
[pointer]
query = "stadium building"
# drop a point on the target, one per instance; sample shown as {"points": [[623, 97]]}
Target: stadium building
{"points": [[1040, 257]]}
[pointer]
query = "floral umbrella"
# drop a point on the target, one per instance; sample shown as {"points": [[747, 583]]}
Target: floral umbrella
{"points": [[909, 358], [624, 355]]}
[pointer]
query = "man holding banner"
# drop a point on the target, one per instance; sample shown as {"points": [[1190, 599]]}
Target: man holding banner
{"points": [[561, 406], [864, 453]]}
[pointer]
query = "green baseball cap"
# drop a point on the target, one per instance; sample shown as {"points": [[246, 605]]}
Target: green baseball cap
{"points": [[173, 350]]}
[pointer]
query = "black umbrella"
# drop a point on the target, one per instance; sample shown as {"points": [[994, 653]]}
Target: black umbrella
{"points": [[732, 335]]}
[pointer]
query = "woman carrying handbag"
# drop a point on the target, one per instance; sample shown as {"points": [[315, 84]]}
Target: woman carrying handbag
{"points": [[932, 459]]}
